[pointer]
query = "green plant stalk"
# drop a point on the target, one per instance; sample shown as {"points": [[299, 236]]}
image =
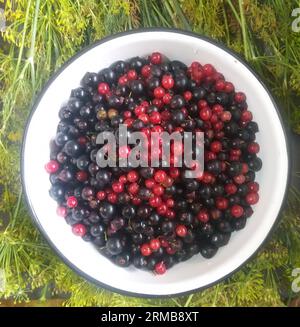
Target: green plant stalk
{"points": [[188, 301], [244, 29], [9, 100], [21, 250], [32, 46], [177, 9]]}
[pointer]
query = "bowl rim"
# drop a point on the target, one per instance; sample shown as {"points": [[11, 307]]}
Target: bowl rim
{"points": [[53, 78]]}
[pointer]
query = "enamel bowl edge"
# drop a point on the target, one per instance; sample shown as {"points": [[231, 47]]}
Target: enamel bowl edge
{"points": [[197, 272]]}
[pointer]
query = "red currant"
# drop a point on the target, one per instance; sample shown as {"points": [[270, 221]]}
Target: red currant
{"points": [[228, 87], [230, 188], [133, 188], [181, 230], [160, 268], [240, 97], [112, 197], [124, 151], [155, 118], [253, 187], [246, 116], [158, 190], [160, 176], [132, 75], [162, 209], [170, 203], [72, 202], [149, 183], [101, 195], [159, 92], [208, 69], [252, 198], [103, 88], [155, 201], [118, 187], [237, 211], [156, 58], [146, 250], [155, 244], [132, 176], [222, 203], [79, 230], [203, 216], [81, 176], [62, 211], [146, 71], [167, 82], [205, 113], [216, 146], [220, 85], [253, 148], [52, 166]]}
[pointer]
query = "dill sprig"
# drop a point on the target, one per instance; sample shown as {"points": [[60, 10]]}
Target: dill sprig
{"points": [[40, 36]]}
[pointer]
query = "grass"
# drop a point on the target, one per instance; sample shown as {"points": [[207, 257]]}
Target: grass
{"points": [[41, 36]]}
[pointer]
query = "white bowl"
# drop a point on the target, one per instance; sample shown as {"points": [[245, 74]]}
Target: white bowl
{"points": [[197, 272]]}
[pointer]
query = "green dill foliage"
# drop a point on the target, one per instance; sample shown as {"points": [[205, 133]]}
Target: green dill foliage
{"points": [[40, 36]]}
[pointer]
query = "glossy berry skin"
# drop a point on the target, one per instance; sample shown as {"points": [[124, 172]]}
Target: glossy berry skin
{"points": [[203, 216], [237, 211], [132, 176], [239, 97], [124, 151], [181, 230], [253, 187], [123, 179], [128, 211], [132, 74], [72, 202], [222, 203], [73, 149], [158, 190], [205, 114], [62, 211], [79, 230], [52, 166], [160, 268], [208, 251], [156, 58], [133, 188], [155, 201], [159, 92], [167, 82], [252, 198], [155, 217], [155, 118], [107, 210], [216, 146], [114, 245], [146, 71], [160, 176], [208, 69], [230, 188], [118, 187], [253, 148], [103, 88], [228, 87], [123, 260], [101, 195], [146, 250], [155, 244], [81, 176]]}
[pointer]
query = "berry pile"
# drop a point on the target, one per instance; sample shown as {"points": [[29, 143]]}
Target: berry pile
{"points": [[154, 218]]}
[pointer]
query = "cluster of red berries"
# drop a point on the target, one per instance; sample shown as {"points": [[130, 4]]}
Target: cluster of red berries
{"points": [[150, 217]]}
